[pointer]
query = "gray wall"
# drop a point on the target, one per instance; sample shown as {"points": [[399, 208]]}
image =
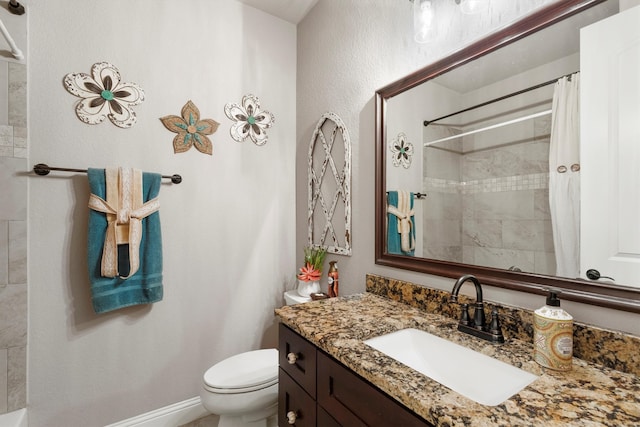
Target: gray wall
{"points": [[369, 46]]}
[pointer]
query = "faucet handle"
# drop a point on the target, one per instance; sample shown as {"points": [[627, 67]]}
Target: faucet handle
{"points": [[494, 326], [464, 314]]}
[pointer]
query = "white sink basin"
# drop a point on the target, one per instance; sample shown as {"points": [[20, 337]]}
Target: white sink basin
{"points": [[474, 375]]}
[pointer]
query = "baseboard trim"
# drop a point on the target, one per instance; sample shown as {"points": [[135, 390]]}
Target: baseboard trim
{"points": [[170, 416]]}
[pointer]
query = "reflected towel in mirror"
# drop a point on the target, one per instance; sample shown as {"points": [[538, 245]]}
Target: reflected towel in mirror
{"points": [[401, 230]]}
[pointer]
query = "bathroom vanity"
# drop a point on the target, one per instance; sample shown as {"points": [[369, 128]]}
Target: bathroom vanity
{"points": [[316, 390], [329, 376]]}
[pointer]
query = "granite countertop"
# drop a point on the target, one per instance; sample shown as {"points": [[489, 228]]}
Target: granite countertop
{"points": [[588, 395]]}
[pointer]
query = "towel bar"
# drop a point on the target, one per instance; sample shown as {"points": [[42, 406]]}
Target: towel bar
{"points": [[44, 169]]}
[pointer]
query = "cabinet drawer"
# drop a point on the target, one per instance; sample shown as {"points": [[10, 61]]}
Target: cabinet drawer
{"points": [[297, 357], [295, 407], [352, 401]]}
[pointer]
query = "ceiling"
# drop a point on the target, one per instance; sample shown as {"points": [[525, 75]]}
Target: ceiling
{"points": [[290, 10]]}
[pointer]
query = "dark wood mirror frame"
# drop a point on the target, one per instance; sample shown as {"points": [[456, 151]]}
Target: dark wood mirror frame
{"points": [[599, 294]]}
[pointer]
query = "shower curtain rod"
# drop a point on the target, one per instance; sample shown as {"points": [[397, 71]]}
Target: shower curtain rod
{"points": [[43, 169], [519, 92], [494, 126]]}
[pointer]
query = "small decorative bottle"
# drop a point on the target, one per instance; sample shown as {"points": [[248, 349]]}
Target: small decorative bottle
{"points": [[553, 335], [332, 280]]}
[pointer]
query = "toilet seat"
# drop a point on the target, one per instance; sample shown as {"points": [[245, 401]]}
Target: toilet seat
{"points": [[243, 373]]}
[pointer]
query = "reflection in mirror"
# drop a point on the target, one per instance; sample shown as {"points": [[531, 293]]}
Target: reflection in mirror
{"points": [[484, 154]]}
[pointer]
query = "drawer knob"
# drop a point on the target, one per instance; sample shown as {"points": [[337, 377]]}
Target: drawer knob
{"points": [[291, 417], [292, 358]]}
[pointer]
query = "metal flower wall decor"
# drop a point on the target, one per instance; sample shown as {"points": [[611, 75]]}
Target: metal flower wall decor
{"points": [[402, 151], [250, 120], [103, 94], [191, 130]]}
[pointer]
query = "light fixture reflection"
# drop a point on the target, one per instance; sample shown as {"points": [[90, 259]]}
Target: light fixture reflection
{"points": [[471, 7], [423, 22]]}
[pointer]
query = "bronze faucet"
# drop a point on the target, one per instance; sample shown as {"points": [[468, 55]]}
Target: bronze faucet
{"points": [[477, 327]]}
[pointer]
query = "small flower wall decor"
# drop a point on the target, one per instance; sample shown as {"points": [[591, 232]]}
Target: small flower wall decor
{"points": [[402, 151], [191, 131], [250, 121], [104, 95]]}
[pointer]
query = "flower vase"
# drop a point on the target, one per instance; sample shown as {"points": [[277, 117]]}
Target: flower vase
{"points": [[306, 288]]}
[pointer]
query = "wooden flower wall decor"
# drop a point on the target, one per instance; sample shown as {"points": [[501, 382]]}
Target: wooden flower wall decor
{"points": [[250, 121], [402, 151], [103, 94], [191, 131]]}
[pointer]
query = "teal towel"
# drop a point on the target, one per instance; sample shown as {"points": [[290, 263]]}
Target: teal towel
{"points": [[145, 286], [394, 244]]}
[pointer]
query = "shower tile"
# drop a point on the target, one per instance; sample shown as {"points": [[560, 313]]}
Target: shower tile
{"points": [[13, 197], [4, 93], [6, 136], [16, 378], [17, 252], [545, 263], [17, 108], [20, 153], [20, 138], [505, 258], [4, 253], [6, 151], [443, 231], [13, 321], [504, 205], [482, 233], [541, 204], [3, 380], [527, 235]]}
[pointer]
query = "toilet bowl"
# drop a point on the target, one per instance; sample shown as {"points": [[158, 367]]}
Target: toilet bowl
{"points": [[243, 389]]}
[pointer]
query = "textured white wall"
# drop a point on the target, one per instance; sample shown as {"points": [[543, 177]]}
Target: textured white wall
{"points": [[368, 46], [228, 229]]}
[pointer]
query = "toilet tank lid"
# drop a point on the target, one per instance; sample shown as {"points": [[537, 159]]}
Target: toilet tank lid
{"points": [[244, 370]]}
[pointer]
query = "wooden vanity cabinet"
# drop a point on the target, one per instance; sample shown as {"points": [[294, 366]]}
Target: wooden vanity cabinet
{"points": [[316, 390]]}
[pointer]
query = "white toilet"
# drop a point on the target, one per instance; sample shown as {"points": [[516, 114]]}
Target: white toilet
{"points": [[292, 297], [243, 389]]}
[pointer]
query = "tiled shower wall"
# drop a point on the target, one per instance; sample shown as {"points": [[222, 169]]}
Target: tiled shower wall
{"points": [[492, 204], [13, 236]]}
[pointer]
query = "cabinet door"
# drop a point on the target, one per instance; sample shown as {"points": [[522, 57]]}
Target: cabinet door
{"points": [[295, 407], [324, 419], [354, 402], [297, 357], [609, 147]]}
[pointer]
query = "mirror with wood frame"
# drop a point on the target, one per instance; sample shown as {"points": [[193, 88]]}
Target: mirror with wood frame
{"points": [[510, 47]]}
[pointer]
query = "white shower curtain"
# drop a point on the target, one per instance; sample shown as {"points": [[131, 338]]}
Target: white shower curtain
{"points": [[564, 176]]}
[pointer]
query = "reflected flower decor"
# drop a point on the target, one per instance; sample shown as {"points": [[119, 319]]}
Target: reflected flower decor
{"points": [[191, 130], [402, 151], [103, 94], [250, 121]]}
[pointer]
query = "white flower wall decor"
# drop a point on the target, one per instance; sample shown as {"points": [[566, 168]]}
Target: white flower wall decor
{"points": [[402, 151], [104, 94], [250, 121]]}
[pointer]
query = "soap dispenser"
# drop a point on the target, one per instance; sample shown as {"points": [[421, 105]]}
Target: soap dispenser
{"points": [[553, 335]]}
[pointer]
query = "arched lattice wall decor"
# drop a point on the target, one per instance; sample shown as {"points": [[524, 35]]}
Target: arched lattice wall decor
{"points": [[329, 186]]}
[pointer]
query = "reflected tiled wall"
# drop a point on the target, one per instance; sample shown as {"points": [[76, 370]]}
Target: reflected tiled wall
{"points": [[13, 236], [488, 204]]}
